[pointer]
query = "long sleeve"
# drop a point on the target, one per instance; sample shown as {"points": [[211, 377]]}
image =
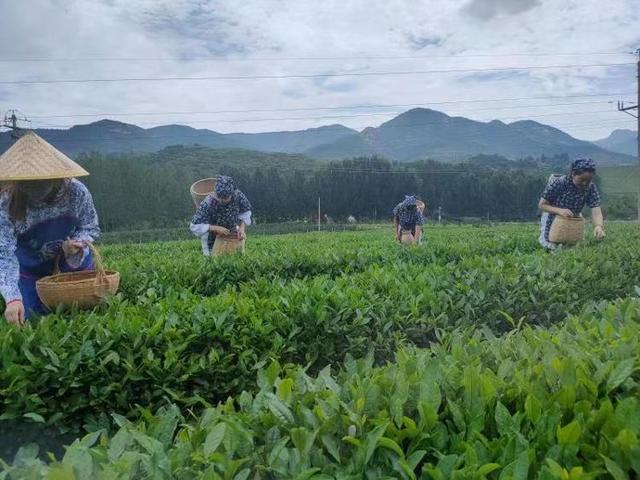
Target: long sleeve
{"points": [[9, 266], [244, 207], [593, 196], [552, 190], [245, 218], [88, 229], [396, 210], [200, 225], [202, 218], [199, 229]]}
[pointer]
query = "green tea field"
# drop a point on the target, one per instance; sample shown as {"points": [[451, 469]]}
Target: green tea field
{"points": [[476, 355]]}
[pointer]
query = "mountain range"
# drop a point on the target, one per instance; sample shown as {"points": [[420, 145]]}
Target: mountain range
{"points": [[416, 134], [621, 141]]}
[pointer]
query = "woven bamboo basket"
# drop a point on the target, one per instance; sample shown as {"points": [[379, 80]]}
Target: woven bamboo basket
{"points": [[407, 238], [82, 289], [226, 245], [567, 230], [202, 189]]}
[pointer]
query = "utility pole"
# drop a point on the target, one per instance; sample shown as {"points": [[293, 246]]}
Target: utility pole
{"points": [[12, 120], [318, 213], [627, 110]]}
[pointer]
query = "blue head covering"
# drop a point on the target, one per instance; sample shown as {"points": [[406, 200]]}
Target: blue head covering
{"points": [[409, 200], [225, 186], [584, 164]]}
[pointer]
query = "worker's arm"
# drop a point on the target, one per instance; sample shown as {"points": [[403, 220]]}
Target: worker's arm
{"points": [[396, 227], [10, 271], [418, 232], [598, 223], [545, 206]]}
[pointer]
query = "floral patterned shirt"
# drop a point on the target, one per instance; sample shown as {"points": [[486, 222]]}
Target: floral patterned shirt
{"points": [[563, 193], [407, 219], [213, 212], [74, 208]]}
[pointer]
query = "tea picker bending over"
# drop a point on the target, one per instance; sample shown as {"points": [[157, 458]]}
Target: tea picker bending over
{"points": [[407, 218], [226, 212], [47, 220], [567, 195]]}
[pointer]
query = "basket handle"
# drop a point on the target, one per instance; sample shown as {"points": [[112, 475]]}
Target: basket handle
{"points": [[97, 259], [101, 282], [101, 277]]}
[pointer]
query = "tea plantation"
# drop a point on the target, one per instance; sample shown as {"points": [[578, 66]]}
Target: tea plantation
{"points": [[342, 356]]}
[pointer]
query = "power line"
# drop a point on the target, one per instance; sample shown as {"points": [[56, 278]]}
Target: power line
{"points": [[344, 107], [184, 138], [310, 75], [357, 115], [209, 58], [340, 127]]}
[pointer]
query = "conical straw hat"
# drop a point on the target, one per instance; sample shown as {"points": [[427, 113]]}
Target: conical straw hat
{"points": [[32, 158]]}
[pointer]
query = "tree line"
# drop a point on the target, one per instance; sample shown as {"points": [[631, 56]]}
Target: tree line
{"points": [[133, 192]]}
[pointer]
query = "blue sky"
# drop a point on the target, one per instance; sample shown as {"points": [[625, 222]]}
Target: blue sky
{"points": [[88, 39]]}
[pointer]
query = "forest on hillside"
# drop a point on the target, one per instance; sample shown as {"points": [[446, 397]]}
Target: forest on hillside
{"points": [[152, 191]]}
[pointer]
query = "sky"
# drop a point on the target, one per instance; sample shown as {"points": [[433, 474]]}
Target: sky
{"points": [[357, 63]]}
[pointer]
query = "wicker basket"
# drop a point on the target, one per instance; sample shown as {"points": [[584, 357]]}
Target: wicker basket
{"points": [[82, 289], [407, 238], [567, 230], [202, 189], [226, 245]]}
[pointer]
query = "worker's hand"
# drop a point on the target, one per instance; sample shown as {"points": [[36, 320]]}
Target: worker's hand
{"points": [[241, 234], [599, 233], [564, 212], [14, 313], [218, 230], [72, 247]]}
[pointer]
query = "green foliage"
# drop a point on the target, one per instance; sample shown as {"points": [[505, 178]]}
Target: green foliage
{"points": [[193, 331], [545, 403]]}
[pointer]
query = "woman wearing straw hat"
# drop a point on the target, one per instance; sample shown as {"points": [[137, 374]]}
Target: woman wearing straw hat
{"points": [[407, 217], [567, 195], [47, 219], [226, 212]]}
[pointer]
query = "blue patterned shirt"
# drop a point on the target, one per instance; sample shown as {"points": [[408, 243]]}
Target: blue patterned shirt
{"points": [[563, 193], [74, 208], [213, 212], [407, 219]]}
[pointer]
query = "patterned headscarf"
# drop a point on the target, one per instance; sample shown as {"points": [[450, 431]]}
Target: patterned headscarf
{"points": [[225, 186], [409, 200], [584, 164]]}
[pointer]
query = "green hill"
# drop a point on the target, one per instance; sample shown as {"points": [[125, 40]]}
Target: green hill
{"points": [[620, 180]]}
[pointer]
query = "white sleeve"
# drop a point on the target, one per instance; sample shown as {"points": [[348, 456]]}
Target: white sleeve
{"points": [[199, 229], [202, 230], [9, 266], [245, 217]]}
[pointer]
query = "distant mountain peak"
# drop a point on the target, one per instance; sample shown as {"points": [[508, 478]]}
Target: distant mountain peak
{"points": [[108, 125], [418, 117], [415, 134], [621, 140]]}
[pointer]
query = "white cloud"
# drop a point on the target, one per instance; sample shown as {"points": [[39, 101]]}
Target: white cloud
{"points": [[447, 32]]}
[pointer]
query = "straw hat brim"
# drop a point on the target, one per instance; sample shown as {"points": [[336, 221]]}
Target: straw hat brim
{"points": [[33, 158]]}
